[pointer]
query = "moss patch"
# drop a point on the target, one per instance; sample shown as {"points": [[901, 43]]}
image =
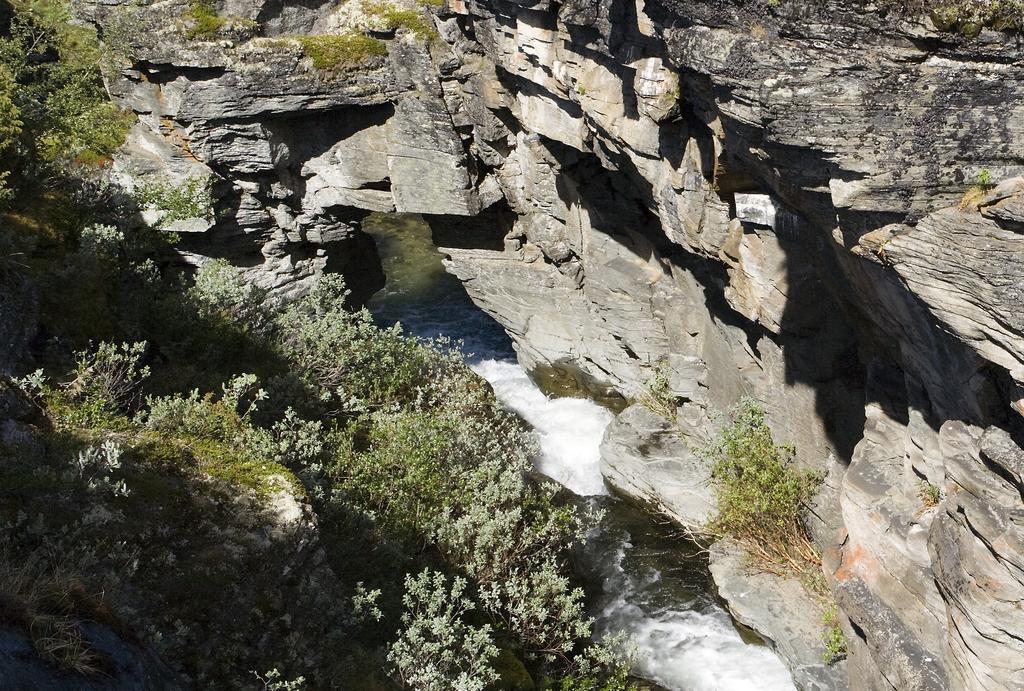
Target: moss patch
{"points": [[415, 22], [336, 52], [208, 25]]}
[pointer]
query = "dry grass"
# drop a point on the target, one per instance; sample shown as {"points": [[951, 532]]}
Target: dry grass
{"points": [[48, 603]]}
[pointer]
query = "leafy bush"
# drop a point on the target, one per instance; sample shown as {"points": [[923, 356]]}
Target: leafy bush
{"points": [[101, 242], [111, 376], [10, 129], [273, 681], [833, 639], [330, 52], [226, 419], [192, 198], [540, 605], [221, 293], [57, 119], [94, 466], [761, 496], [403, 451], [206, 23], [602, 666], [347, 355], [658, 396], [436, 649]]}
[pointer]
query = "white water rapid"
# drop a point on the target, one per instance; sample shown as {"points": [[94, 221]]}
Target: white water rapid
{"points": [[653, 588]]}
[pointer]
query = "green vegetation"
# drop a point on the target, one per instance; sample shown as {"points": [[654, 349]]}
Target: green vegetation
{"points": [[985, 178], [762, 496], [416, 22], [169, 415], [332, 52], [930, 494], [57, 124], [436, 649], [833, 639], [982, 186], [658, 396], [10, 127], [205, 24], [762, 500], [190, 199], [272, 681], [224, 467]]}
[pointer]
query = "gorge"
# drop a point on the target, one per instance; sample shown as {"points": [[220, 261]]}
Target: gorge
{"points": [[818, 206], [652, 586]]}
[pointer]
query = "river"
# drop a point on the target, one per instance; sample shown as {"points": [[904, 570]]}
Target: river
{"points": [[651, 585]]}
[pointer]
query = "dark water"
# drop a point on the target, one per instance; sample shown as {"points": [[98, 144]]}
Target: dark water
{"points": [[648, 583]]}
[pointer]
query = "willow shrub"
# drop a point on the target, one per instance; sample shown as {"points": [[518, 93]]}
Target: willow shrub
{"points": [[65, 115], [351, 359], [389, 428], [436, 649], [762, 496]]}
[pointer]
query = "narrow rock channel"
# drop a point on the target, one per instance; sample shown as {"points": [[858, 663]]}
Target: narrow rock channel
{"points": [[651, 585]]}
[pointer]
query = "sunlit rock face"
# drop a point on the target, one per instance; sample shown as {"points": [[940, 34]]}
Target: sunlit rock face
{"points": [[751, 199]]}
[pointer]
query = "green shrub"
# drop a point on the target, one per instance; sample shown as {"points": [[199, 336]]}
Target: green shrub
{"points": [[658, 396], [930, 494], [401, 479], [220, 292], [57, 119], [226, 419], [833, 639], [274, 681], [102, 243], [330, 52], [436, 649], [110, 376], [390, 428], [762, 496], [348, 357], [603, 666], [10, 129], [206, 23], [540, 606], [193, 198], [94, 466]]}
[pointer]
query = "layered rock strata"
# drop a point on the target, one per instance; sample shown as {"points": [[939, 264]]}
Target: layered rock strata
{"points": [[753, 198]]}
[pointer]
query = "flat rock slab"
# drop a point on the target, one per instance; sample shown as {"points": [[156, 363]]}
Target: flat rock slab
{"points": [[782, 611]]}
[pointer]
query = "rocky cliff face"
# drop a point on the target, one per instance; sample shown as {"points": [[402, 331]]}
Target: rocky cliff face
{"points": [[756, 198]]}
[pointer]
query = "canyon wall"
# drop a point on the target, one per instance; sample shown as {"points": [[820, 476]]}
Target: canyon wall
{"points": [[749, 198]]}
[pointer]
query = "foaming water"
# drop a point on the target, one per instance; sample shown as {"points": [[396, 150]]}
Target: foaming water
{"points": [[647, 584], [569, 429], [684, 639]]}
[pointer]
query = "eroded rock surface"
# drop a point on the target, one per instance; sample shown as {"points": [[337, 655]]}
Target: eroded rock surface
{"points": [[756, 198]]}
